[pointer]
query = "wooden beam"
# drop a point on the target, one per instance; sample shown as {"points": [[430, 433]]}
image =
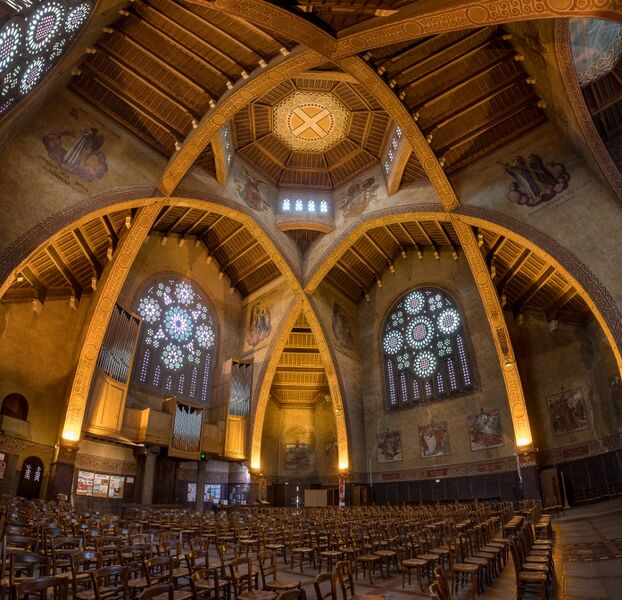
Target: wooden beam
{"points": [[554, 308], [413, 241], [64, 270], [377, 246], [162, 215], [534, 288], [353, 276], [513, 269], [454, 250], [178, 221], [40, 290], [110, 230], [88, 252], [252, 269], [196, 224], [364, 262], [428, 239], [396, 240], [241, 254], [227, 238], [494, 249]]}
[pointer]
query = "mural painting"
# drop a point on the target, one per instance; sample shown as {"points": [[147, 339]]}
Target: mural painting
{"points": [[615, 388], [389, 446], [259, 325], [485, 429], [297, 457], [341, 327], [567, 411], [330, 453], [78, 152], [434, 439], [534, 182], [359, 195], [250, 192]]}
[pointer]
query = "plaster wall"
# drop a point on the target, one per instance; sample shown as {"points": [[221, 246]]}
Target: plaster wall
{"points": [[37, 359], [455, 278]]}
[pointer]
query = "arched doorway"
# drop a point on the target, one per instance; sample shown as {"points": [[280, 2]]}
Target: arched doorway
{"points": [[31, 478], [15, 406]]}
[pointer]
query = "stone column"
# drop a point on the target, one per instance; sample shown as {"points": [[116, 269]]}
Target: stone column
{"points": [[148, 476], [201, 476], [9, 485], [61, 472]]}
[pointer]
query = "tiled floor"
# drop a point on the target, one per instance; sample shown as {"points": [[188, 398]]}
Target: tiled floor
{"points": [[588, 562]]}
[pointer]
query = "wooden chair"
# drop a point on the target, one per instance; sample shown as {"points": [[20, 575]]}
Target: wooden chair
{"points": [[42, 586], [268, 568], [421, 567], [295, 594], [243, 580], [162, 591], [110, 582], [205, 582], [82, 563], [330, 591], [442, 584], [526, 581], [346, 584], [463, 572]]}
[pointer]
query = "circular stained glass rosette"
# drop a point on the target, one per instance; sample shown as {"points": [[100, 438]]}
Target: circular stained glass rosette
{"points": [[425, 364], [172, 357], [414, 303], [43, 25], [10, 44], [403, 361], [178, 323], [184, 293], [435, 302], [149, 309], [448, 321], [32, 74], [76, 17], [204, 336], [393, 342], [419, 332]]}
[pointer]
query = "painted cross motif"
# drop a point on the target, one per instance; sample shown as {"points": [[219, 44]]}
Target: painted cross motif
{"points": [[311, 122]]}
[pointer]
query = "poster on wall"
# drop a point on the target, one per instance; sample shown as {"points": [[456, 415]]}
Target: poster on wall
{"points": [[567, 411], [211, 492], [115, 489], [389, 445], [192, 492], [297, 457], [434, 439], [485, 429], [84, 487], [101, 484]]}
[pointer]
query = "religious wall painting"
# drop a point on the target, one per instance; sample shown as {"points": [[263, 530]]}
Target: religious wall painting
{"points": [[529, 39], [567, 411], [78, 151], [533, 181], [389, 445], [342, 329], [615, 389], [485, 429], [297, 457], [251, 191], [434, 439], [330, 453], [259, 324], [358, 196]]}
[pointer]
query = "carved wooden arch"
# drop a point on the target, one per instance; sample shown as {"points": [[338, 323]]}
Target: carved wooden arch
{"points": [[590, 134], [266, 375], [368, 221], [113, 279], [589, 288]]}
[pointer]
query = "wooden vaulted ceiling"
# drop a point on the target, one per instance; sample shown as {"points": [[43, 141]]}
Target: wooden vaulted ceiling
{"points": [[162, 63], [361, 148], [300, 378], [467, 90], [71, 265], [525, 282]]}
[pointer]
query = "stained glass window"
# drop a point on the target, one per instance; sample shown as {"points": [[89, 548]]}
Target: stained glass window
{"points": [[178, 339], [32, 39], [425, 355]]}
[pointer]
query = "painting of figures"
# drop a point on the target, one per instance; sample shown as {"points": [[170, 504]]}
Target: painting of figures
{"points": [[434, 439], [297, 457], [485, 429], [389, 446], [567, 411]]}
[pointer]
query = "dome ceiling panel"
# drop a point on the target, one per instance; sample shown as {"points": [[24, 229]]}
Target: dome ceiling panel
{"points": [[312, 132]]}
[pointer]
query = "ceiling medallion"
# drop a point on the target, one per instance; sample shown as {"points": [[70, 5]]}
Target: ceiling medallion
{"points": [[310, 121]]}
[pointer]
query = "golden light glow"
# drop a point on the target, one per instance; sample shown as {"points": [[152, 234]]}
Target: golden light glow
{"points": [[343, 463], [523, 441], [70, 434], [255, 463]]}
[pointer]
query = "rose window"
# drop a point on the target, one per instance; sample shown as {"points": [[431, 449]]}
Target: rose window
{"points": [[425, 355], [177, 340]]}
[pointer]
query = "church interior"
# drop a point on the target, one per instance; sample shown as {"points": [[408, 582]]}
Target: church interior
{"points": [[271, 271]]}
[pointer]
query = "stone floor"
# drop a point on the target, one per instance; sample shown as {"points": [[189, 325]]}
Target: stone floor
{"points": [[588, 562]]}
